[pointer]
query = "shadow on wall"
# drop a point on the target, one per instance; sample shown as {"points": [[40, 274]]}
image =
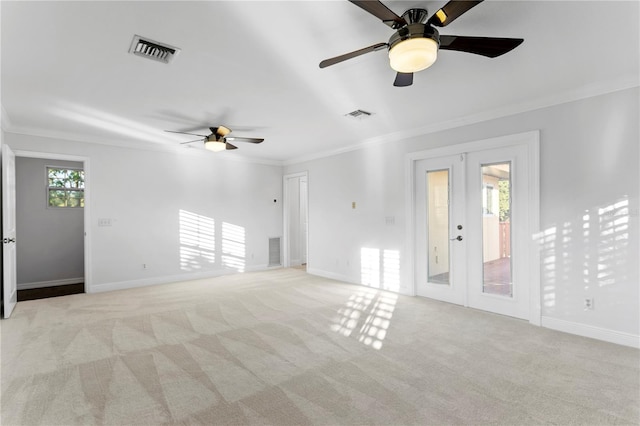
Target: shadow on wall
{"points": [[592, 250], [198, 244]]}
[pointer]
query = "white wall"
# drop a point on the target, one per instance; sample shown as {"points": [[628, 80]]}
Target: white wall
{"points": [[589, 208], [182, 213], [50, 247]]}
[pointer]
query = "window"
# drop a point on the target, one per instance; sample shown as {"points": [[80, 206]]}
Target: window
{"points": [[65, 187], [488, 200]]}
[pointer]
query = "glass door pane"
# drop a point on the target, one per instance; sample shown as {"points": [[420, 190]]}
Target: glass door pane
{"points": [[438, 226], [496, 229]]}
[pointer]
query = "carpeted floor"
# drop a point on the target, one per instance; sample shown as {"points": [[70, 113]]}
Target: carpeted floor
{"points": [[285, 348]]}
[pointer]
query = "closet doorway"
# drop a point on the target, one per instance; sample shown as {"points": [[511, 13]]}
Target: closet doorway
{"points": [[51, 202], [296, 220]]}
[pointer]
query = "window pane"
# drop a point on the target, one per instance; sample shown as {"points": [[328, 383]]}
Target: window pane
{"points": [[438, 226], [75, 199], [496, 229], [57, 198]]}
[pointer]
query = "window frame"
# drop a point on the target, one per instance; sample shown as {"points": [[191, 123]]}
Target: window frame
{"points": [[50, 188]]}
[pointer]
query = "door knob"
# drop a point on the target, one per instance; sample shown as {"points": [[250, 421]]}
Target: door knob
{"points": [[458, 238]]}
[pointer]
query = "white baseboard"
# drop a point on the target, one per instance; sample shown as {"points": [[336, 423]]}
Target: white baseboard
{"points": [[339, 277], [144, 282], [599, 333], [51, 283], [330, 275]]}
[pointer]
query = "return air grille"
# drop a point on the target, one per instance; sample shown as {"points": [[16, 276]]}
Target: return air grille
{"points": [[152, 49], [274, 252]]}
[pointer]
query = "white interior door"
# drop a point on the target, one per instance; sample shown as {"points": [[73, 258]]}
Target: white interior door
{"points": [[440, 239], [499, 236], [9, 279], [473, 229], [303, 220]]}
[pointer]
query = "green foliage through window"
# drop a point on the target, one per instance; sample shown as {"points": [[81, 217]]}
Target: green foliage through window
{"points": [[65, 187], [505, 201]]}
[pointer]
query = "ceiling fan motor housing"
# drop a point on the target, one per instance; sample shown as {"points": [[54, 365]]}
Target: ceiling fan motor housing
{"points": [[416, 30]]}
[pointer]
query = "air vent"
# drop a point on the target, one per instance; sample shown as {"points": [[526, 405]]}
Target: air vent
{"points": [[152, 49], [359, 114], [274, 252]]}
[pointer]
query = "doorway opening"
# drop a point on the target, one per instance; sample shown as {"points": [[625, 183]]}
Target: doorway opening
{"points": [[296, 220], [51, 220]]}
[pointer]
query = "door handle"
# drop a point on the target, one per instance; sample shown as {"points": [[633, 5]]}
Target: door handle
{"points": [[458, 238], [9, 240]]}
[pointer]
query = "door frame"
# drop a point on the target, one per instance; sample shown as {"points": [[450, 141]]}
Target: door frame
{"points": [[87, 202], [286, 220], [529, 139]]}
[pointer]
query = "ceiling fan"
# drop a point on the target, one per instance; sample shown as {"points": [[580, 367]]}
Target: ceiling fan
{"points": [[414, 46], [218, 139]]}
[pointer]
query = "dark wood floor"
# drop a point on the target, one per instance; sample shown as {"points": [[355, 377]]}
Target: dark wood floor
{"points": [[46, 292]]}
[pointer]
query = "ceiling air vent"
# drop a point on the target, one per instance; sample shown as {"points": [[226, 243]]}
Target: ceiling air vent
{"points": [[359, 114], [152, 49]]}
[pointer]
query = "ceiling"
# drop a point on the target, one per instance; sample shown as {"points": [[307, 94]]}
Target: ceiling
{"points": [[253, 66]]}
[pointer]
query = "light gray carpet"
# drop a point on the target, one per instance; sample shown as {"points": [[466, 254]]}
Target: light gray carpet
{"points": [[286, 348]]}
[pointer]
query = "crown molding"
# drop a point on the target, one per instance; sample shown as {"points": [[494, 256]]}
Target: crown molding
{"points": [[144, 146], [585, 92], [5, 122]]}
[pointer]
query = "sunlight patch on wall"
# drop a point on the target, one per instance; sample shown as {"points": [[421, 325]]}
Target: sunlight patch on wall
{"points": [[613, 244], [380, 268], [592, 250], [233, 246], [370, 267], [197, 241], [366, 317]]}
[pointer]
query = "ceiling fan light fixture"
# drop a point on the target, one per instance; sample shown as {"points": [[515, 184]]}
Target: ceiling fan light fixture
{"points": [[413, 54], [215, 146]]}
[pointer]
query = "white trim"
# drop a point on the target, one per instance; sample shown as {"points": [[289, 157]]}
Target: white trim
{"points": [[169, 279], [530, 139], [5, 122], [330, 275], [286, 262], [143, 146], [87, 202], [51, 283], [590, 91], [599, 333], [535, 298], [347, 280]]}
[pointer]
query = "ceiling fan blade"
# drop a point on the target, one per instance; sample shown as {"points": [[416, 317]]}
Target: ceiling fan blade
{"points": [[381, 11], [403, 79], [239, 139], [228, 146], [485, 46], [185, 133], [337, 59], [451, 11], [197, 140]]}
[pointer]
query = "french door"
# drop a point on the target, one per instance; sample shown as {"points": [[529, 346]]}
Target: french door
{"points": [[473, 229]]}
